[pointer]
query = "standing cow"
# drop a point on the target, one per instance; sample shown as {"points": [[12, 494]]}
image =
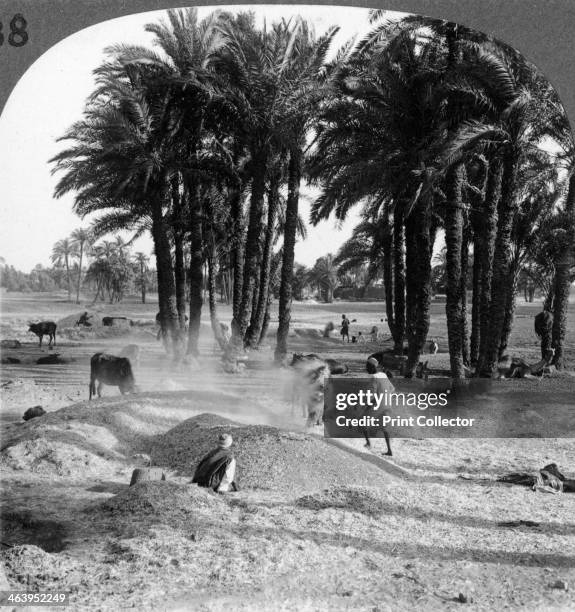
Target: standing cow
{"points": [[111, 370], [44, 328]]}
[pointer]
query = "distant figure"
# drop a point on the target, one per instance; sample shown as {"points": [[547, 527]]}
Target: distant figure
{"points": [[543, 329], [360, 338], [353, 339], [345, 323], [84, 320], [432, 347], [374, 333], [218, 468]]}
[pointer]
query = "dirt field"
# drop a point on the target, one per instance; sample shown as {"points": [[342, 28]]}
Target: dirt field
{"points": [[318, 524]]}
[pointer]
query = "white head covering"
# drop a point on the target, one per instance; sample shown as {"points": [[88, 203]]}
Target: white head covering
{"points": [[225, 441]]}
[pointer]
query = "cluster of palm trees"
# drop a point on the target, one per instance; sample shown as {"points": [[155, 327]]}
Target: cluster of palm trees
{"points": [[204, 140], [436, 128], [112, 268], [201, 141]]}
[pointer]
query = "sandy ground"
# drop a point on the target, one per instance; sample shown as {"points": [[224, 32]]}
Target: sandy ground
{"points": [[318, 525]]}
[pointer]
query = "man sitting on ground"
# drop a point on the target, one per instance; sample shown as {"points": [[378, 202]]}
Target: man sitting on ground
{"points": [[84, 320], [218, 468]]}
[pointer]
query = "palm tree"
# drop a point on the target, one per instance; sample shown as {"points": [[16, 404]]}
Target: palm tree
{"points": [[62, 253], [119, 161], [504, 132], [256, 67], [83, 239], [141, 259], [324, 276], [377, 141], [304, 97]]}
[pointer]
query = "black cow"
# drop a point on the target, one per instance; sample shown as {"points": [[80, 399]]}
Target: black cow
{"points": [[111, 370], [44, 328]]}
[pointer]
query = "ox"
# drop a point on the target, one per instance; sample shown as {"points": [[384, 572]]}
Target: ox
{"points": [[44, 328], [111, 370]]}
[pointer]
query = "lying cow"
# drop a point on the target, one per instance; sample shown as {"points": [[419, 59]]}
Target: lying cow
{"points": [[44, 328], [111, 370]]}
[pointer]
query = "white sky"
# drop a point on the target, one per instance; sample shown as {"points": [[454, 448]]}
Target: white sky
{"points": [[51, 96]]}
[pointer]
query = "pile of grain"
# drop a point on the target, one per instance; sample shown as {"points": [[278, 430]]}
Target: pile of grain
{"points": [[29, 567], [168, 502], [268, 458]]}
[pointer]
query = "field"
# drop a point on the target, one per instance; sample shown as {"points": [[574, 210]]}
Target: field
{"points": [[317, 525]]}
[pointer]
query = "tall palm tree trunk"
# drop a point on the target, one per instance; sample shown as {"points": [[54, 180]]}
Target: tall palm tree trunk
{"points": [[475, 304], [464, 279], [399, 282], [501, 265], [487, 238], [196, 273], [453, 243], [418, 225], [562, 285], [79, 284], [241, 321], [212, 289], [388, 285], [290, 232], [179, 264], [238, 250], [166, 284], [254, 332], [509, 308]]}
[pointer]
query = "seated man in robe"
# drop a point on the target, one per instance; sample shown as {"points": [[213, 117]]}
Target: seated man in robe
{"points": [[218, 468]]}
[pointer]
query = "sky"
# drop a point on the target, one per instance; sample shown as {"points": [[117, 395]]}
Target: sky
{"points": [[51, 96]]}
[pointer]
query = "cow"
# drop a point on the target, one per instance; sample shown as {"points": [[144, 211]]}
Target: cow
{"points": [[111, 370], [44, 328], [132, 352]]}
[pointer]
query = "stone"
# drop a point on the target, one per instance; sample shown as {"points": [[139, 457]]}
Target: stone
{"points": [[32, 413]]}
